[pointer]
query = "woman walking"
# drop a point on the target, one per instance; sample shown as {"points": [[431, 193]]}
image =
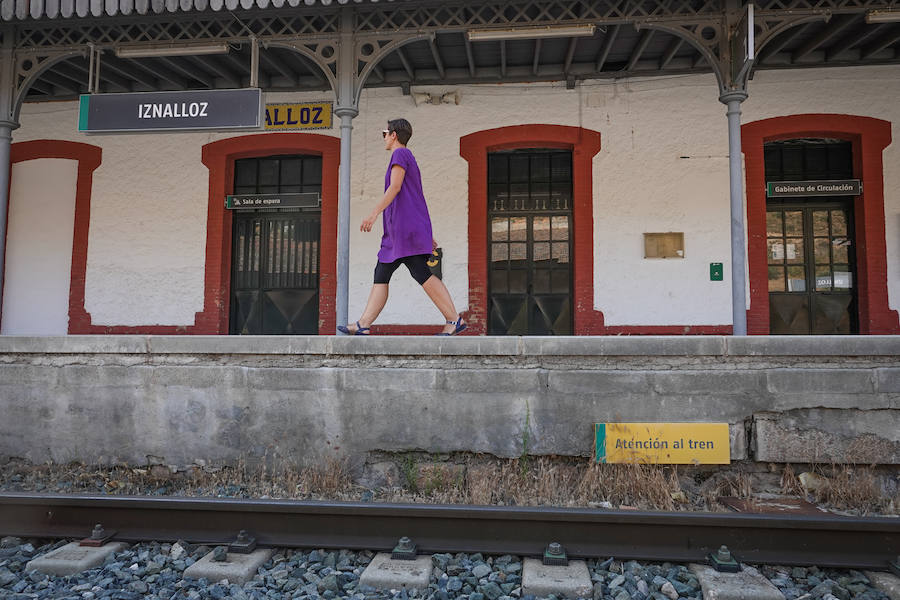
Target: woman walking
{"points": [[407, 238]]}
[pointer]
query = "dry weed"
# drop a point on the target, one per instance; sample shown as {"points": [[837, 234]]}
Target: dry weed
{"points": [[790, 483], [850, 487], [548, 481]]}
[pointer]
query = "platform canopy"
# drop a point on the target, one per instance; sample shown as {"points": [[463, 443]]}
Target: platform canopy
{"points": [[459, 42]]}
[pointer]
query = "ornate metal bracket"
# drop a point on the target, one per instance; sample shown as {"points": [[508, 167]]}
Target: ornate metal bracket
{"points": [[709, 37], [21, 68], [367, 51], [712, 37], [321, 52], [370, 50]]}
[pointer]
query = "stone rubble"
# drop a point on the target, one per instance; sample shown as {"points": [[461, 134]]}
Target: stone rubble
{"points": [[154, 570]]}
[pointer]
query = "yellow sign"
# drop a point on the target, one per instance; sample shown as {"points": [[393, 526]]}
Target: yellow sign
{"points": [[315, 115], [662, 443]]}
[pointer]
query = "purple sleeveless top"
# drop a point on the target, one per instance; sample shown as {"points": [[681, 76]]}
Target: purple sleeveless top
{"points": [[407, 226]]}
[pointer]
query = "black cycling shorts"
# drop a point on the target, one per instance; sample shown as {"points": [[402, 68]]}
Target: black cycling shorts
{"points": [[417, 265]]}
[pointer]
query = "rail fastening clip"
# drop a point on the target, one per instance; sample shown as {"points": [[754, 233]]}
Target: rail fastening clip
{"points": [[555, 555], [99, 536], [723, 561], [404, 550], [244, 543]]}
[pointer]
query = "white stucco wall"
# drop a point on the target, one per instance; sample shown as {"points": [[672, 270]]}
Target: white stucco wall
{"points": [[39, 248], [663, 166]]}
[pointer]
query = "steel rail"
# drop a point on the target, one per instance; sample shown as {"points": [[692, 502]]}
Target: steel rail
{"points": [[825, 541]]}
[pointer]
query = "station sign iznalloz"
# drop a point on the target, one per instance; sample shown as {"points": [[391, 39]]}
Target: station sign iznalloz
{"points": [[167, 111], [662, 443], [310, 115]]}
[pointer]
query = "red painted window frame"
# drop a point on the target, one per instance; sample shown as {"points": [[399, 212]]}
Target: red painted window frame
{"points": [[869, 137], [219, 158], [88, 158], [584, 144]]}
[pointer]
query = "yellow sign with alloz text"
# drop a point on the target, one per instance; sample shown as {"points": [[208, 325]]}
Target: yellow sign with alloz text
{"points": [[312, 115], [662, 443]]}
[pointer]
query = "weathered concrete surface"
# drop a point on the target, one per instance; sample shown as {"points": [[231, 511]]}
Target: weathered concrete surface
{"points": [[748, 584], [571, 581], [72, 558], [220, 398], [819, 435], [384, 573], [236, 568]]}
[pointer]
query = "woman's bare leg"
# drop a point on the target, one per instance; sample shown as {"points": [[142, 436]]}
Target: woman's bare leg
{"points": [[377, 299], [439, 294]]}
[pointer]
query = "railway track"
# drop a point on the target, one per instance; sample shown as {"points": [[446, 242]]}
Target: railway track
{"points": [[826, 541]]}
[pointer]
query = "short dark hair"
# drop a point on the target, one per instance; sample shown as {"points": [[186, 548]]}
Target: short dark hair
{"points": [[402, 128]]}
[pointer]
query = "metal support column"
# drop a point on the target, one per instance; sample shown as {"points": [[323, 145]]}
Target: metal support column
{"points": [[346, 109], [6, 128], [733, 100], [8, 114], [346, 115]]}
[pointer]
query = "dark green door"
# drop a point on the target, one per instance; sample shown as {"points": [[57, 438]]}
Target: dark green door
{"points": [[530, 242], [275, 253], [810, 243], [812, 274]]}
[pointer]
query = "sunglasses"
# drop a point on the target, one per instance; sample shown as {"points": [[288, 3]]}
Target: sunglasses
{"points": [[385, 132]]}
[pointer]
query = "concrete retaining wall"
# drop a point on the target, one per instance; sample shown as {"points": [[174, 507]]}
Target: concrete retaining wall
{"points": [[122, 398]]}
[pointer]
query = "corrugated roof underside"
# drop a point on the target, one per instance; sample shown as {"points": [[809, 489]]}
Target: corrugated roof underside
{"points": [[20, 10]]}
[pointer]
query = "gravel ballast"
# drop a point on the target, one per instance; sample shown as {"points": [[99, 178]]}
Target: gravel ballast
{"points": [[155, 570]]}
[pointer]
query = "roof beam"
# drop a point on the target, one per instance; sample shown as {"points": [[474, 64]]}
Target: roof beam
{"points": [[209, 62], [537, 56], [437, 58], [469, 58], [122, 82], [39, 87], [314, 71], [192, 73], [670, 52], [61, 71], [608, 42], [163, 73], [778, 44], [132, 70], [60, 82], [570, 54], [406, 65], [243, 67], [837, 25], [236, 62], [277, 65], [639, 49], [889, 39], [502, 58], [851, 40]]}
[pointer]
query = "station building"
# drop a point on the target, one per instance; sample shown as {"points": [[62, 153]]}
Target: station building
{"points": [[575, 159]]}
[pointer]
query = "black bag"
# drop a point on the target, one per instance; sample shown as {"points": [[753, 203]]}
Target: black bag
{"points": [[435, 261]]}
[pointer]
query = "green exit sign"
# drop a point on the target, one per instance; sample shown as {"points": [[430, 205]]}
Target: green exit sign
{"points": [[715, 271]]}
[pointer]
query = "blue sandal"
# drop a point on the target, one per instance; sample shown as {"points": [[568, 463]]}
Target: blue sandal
{"points": [[360, 330], [460, 326]]}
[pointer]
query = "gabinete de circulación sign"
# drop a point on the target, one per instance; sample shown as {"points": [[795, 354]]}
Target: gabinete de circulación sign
{"points": [[162, 111], [835, 187]]}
